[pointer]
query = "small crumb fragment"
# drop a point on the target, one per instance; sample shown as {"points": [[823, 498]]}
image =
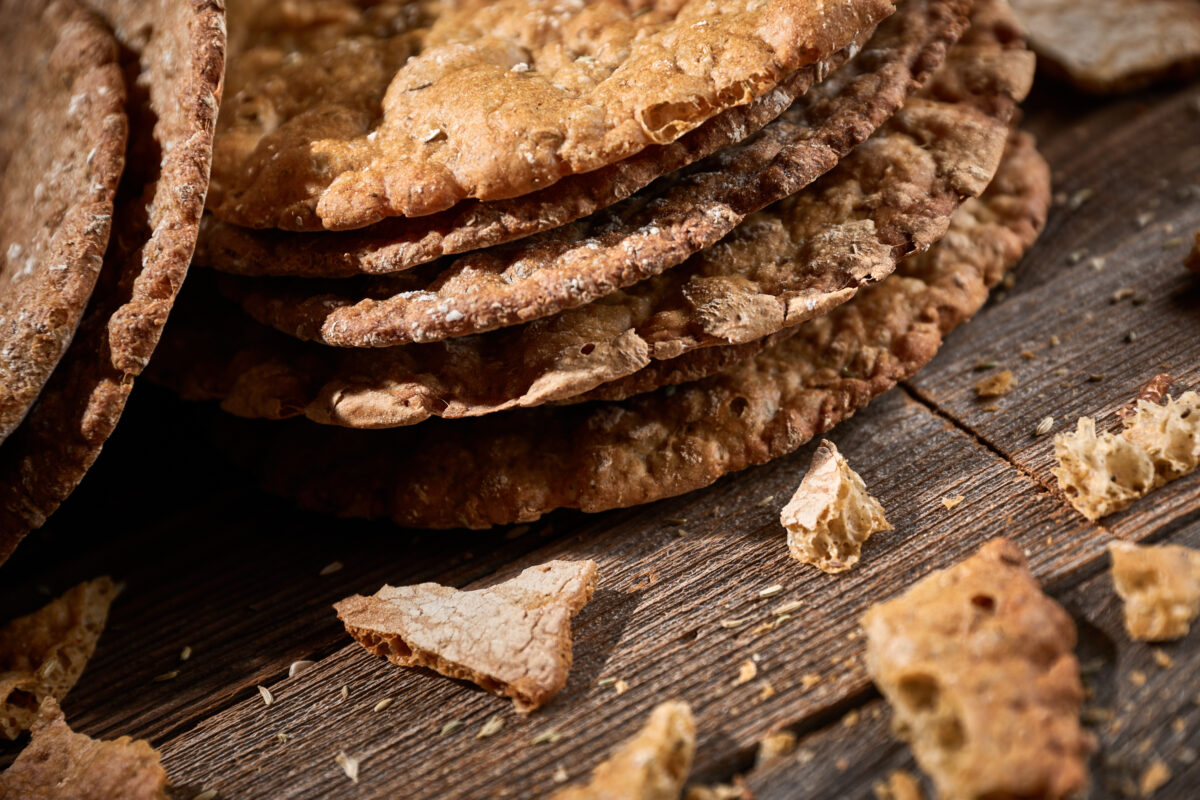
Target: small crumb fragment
{"points": [[809, 680], [997, 385], [169, 675], [345, 692], [765, 691], [266, 695], [1162, 659], [746, 672], [851, 719], [185, 653], [1054, 340], [330, 568], [901, 785], [1079, 198], [952, 502], [383, 704], [832, 514], [1104, 473], [490, 728], [653, 764], [349, 765], [621, 686], [1153, 778], [1137, 677], [298, 667], [1160, 587], [775, 746], [1124, 293]]}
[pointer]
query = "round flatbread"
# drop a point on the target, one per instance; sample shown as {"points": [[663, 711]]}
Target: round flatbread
{"points": [[175, 58], [651, 231], [516, 466], [790, 262], [62, 149], [353, 111]]}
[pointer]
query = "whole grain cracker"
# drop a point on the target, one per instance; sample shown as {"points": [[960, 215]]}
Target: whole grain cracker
{"points": [[1160, 586], [43, 654], [175, 57], [513, 639], [399, 243], [977, 665], [1114, 45], [62, 150], [653, 765], [640, 237], [518, 465], [831, 514], [58, 764], [391, 109], [803, 256]]}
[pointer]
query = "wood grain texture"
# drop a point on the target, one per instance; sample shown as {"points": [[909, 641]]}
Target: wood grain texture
{"points": [[211, 564]]}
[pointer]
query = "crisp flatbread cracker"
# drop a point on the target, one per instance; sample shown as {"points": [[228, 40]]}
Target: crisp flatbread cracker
{"points": [[61, 154], [366, 110], [59, 764], [652, 765], [520, 464], [1114, 45], [43, 654], [654, 230], [793, 261], [977, 665], [175, 58], [1160, 587], [398, 243], [513, 639]]}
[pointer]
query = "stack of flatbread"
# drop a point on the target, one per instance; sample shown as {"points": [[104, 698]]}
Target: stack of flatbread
{"points": [[502, 257], [496, 257]]}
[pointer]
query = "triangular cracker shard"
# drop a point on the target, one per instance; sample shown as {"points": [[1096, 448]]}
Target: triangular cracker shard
{"points": [[513, 639]]}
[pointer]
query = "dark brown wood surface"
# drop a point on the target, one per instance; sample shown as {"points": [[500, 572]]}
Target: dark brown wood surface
{"points": [[211, 564]]}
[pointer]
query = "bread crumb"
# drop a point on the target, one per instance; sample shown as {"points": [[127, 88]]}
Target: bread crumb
{"points": [[348, 764], [996, 385], [1104, 473], [809, 680], [1162, 659], [775, 746], [1160, 587], [901, 785], [952, 502], [746, 672], [1137, 677], [1153, 778], [831, 514]]}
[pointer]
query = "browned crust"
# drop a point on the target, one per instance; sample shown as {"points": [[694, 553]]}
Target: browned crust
{"points": [[59, 764], [399, 243], [61, 154], [793, 261], [654, 230], [513, 639], [378, 110], [977, 665], [1107, 46], [518, 465], [176, 57]]}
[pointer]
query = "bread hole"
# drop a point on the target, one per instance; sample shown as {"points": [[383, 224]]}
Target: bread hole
{"points": [[919, 692], [587, 349], [399, 648], [739, 405], [984, 602], [440, 405], [949, 733], [19, 698]]}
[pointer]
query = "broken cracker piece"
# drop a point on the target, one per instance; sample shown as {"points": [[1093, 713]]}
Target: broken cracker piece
{"points": [[651, 766], [59, 764], [1160, 586], [513, 639], [831, 514], [977, 665], [43, 654], [1104, 473]]}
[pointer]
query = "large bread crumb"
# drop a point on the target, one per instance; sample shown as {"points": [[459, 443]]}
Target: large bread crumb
{"points": [[976, 663], [831, 514], [1102, 473], [651, 766], [1160, 586]]}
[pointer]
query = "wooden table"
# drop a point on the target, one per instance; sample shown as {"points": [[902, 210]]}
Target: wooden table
{"points": [[212, 564]]}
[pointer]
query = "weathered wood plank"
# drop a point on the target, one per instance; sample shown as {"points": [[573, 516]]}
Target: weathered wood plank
{"points": [[655, 623], [1120, 160]]}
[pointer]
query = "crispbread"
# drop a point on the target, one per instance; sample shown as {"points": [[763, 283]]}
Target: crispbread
{"points": [[793, 261], [176, 56], [399, 243], [518, 465], [367, 110], [640, 237], [1114, 45], [62, 148]]}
